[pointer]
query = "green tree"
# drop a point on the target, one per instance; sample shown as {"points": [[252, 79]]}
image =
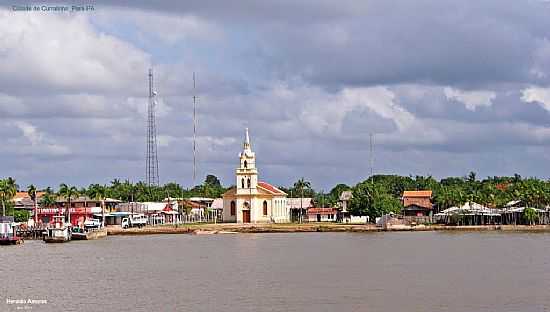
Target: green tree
{"points": [[373, 200], [530, 215], [48, 199], [8, 189], [31, 191], [21, 216], [68, 192], [302, 185], [99, 192], [212, 180]]}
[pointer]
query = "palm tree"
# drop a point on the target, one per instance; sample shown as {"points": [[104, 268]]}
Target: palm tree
{"points": [[48, 199], [68, 192], [301, 185], [98, 192], [8, 189], [31, 190]]}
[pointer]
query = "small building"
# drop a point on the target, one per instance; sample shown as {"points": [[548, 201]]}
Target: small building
{"points": [[298, 208], [417, 203], [344, 200], [217, 209], [202, 201], [321, 214]]}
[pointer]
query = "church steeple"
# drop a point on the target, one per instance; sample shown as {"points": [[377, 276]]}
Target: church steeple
{"points": [[247, 174], [246, 144]]}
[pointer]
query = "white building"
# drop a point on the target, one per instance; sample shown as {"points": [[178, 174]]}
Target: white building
{"points": [[253, 201]]}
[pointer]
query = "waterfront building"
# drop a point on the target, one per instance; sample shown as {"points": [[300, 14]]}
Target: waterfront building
{"points": [[322, 214], [81, 208], [417, 203], [251, 200]]}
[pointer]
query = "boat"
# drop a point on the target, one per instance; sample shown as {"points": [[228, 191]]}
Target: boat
{"points": [[60, 232], [92, 230], [88, 233], [204, 232], [8, 234]]}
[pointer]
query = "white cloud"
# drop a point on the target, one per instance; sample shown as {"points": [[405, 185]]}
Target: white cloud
{"points": [[537, 95], [44, 51], [39, 143], [471, 99], [381, 101]]}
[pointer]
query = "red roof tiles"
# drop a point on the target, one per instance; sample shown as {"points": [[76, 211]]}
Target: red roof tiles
{"points": [[270, 188], [417, 194]]}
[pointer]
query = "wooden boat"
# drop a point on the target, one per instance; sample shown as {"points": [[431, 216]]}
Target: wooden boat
{"points": [[8, 234], [204, 232], [88, 234], [59, 233]]}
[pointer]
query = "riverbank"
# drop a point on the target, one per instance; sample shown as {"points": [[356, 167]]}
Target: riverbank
{"points": [[309, 227]]}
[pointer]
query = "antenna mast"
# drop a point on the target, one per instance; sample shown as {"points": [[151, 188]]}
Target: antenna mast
{"points": [[152, 163], [194, 133], [372, 158]]}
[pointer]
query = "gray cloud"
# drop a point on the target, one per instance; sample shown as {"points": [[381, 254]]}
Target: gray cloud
{"points": [[310, 79]]}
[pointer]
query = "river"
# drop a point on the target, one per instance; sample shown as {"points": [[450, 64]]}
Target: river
{"points": [[406, 271]]}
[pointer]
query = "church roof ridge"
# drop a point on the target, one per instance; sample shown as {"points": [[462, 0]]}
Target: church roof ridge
{"points": [[270, 188]]}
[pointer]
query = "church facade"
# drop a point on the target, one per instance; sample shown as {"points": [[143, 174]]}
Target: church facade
{"points": [[251, 200]]}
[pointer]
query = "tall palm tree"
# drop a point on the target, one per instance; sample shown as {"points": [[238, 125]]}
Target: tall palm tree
{"points": [[98, 192], [48, 199], [31, 190], [302, 185], [68, 192], [8, 189]]}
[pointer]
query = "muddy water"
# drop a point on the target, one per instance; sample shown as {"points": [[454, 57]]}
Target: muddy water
{"points": [[410, 271]]}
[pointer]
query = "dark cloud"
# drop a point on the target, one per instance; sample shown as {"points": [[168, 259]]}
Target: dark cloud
{"points": [[439, 82]]}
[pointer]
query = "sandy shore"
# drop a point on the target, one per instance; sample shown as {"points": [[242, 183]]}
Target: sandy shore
{"points": [[307, 227]]}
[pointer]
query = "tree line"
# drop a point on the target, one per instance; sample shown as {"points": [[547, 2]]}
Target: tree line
{"points": [[374, 196]]}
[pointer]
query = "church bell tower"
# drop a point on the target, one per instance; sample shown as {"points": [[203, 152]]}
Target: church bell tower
{"points": [[246, 173]]}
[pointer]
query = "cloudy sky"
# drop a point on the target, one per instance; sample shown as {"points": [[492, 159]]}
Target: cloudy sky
{"points": [[447, 87]]}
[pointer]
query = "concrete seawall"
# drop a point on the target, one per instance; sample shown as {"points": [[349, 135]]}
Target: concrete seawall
{"points": [[310, 227]]}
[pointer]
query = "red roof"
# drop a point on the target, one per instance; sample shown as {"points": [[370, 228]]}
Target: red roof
{"points": [[417, 194], [322, 211], [270, 188], [168, 207]]}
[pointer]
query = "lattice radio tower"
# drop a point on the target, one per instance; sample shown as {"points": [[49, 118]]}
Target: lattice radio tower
{"points": [[152, 167]]}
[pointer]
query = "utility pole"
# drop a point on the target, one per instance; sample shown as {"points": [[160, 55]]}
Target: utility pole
{"points": [[371, 143], [371, 158], [194, 132]]}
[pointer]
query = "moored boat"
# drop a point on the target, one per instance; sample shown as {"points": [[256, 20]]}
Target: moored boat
{"points": [[8, 234], [59, 233], [88, 234]]}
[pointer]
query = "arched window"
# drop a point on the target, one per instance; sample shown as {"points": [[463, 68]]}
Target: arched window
{"points": [[248, 182], [242, 182], [265, 208], [245, 164], [233, 208]]}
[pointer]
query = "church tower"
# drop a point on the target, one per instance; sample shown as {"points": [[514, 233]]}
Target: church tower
{"points": [[247, 174]]}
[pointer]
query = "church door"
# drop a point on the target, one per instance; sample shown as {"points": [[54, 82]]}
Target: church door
{"points": [[246, 216]]}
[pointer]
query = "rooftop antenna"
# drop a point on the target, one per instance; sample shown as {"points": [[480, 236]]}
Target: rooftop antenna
{"points": [[194, 132], [152, 163]]}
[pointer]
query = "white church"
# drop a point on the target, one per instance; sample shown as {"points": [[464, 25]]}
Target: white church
{"points": [[253, 201]]}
